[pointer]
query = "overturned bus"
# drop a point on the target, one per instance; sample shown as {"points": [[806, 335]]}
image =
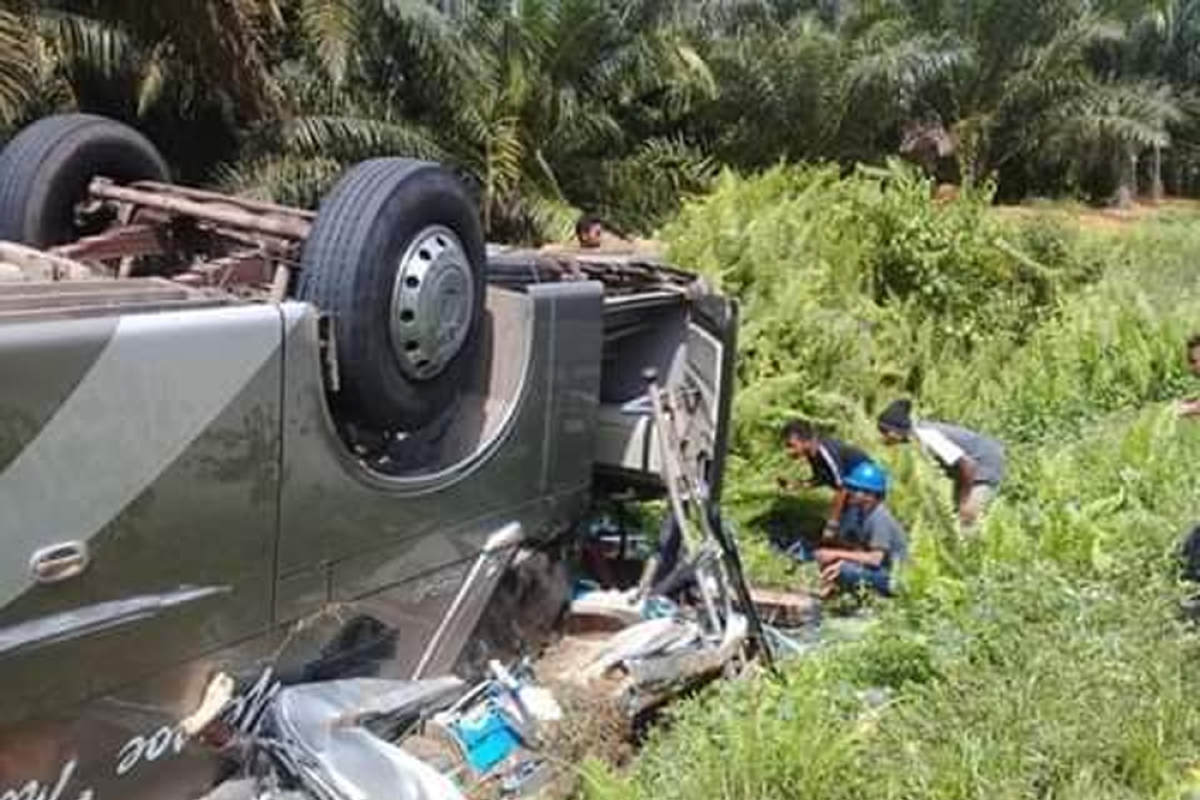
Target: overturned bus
{"points": [[287, 446]]}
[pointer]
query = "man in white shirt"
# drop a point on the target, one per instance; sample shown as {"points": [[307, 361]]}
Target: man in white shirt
{"points": [[973, 462]]}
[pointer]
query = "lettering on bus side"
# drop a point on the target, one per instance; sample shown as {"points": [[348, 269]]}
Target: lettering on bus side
{"points": [[243, 715]]}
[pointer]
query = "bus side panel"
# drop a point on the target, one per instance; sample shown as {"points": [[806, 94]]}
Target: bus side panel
{"points": [[396, 550], [161, 456]]}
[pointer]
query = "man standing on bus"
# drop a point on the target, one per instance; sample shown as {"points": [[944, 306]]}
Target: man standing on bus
{"points": [[589, 232]]}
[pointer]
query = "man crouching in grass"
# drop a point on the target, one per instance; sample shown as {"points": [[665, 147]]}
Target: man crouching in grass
{"points": [[870, 543]]}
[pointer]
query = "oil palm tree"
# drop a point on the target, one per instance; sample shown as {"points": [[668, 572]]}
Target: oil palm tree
{"points": [[1163, 47], [191, 73], [1023, 89], [547, 106]]}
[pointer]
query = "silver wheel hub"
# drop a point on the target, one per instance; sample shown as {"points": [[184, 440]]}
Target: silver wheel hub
{"points": [[432, 303]]}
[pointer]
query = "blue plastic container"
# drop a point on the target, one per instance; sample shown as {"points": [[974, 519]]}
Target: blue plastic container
{"points": [[486, 738]]}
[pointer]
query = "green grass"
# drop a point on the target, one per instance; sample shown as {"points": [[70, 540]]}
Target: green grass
{"points": [[1044, 660]]}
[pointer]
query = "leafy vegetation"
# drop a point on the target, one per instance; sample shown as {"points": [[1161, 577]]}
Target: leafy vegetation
{"points": [[1035, 689], [1045, 659], [626, 107]]}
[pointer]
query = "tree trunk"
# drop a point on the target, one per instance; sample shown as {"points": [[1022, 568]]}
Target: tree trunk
{"points": [[1156, 176], [969, 150], [1127, 181]]}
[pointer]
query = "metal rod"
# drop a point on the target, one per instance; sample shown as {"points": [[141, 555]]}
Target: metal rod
{"points": [[202, 195], [222, 212], [705, 564], [662, 428], [121, 241]]}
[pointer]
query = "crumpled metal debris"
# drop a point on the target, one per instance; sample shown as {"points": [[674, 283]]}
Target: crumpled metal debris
{"points": [[621, 607], [350, 739], [321, 739], [644, 640]]}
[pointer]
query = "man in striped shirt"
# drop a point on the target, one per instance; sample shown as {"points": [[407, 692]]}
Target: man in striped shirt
{"points": [[829, 460]]}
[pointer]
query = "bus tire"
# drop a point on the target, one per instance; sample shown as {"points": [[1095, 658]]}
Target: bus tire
{"points": [[396, 257], [45, 171]]}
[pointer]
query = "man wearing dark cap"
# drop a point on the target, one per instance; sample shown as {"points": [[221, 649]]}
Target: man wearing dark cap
{"points": [[974, 462]]}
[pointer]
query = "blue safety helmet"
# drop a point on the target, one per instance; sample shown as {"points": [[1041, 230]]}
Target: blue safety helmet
{"points": [[868, 477]]}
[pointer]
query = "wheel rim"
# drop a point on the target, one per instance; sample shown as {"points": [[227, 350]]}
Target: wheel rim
{"points": [[432, 303]]}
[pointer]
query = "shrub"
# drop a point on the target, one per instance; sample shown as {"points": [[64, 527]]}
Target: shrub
{"points": [[1044, 659]]}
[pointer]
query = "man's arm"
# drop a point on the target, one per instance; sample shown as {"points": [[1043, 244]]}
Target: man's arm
{"points": [[967, 471], [868, 558], [1189, 408], [833, 524]]}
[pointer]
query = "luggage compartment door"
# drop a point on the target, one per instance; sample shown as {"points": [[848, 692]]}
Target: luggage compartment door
{"points": [[691, 346]]}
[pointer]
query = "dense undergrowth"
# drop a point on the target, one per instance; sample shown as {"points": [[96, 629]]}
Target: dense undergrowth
{"points": [[1045, 659]]}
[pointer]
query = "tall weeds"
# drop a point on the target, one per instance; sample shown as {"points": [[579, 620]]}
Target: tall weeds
{"points": [[1043, 660]]}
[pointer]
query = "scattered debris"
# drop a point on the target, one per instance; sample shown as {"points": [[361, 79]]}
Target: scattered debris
{"points": [[317, 735], [786, 609], [520, 728], [606, 609]]}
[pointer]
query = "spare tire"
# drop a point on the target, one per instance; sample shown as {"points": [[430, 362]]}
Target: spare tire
{"points": [[45, 171], [396, 257]]}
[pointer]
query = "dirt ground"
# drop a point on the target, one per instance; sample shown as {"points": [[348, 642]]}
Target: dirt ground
{"points": [[1103, 219]]}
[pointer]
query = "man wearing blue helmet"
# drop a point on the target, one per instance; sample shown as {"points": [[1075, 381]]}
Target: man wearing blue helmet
{"points": [[870, 540]]}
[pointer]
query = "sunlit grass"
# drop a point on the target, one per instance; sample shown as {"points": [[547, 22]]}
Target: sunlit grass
{"points": [[1045, 660]]}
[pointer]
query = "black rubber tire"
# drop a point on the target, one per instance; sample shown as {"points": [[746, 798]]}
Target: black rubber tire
{"points": [[349, 266], [46, 168]]}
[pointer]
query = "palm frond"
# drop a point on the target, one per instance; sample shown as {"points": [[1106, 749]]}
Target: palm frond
{"points": [[638, 192], [1070, 45], [504, 153], [530, 217], [904, 70], [346, 138], [221, 41], [333, 27], [291, 180], [780, 95], [155, 75], [1134, 116], [577, 39], [411, 50], [80, 42], [580, 123], [18, 58]]}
